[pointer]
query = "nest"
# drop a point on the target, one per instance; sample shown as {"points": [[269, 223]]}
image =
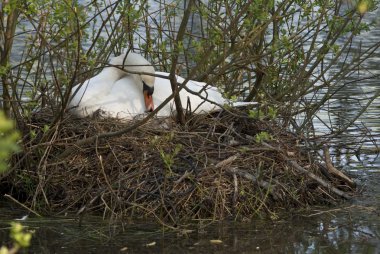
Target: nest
{"points": [[214, 167]]}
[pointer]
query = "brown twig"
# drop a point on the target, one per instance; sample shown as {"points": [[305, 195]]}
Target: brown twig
{"points": [[22, 205], [332, 170]]}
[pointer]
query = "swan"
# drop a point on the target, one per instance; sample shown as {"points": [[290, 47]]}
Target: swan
{"points": [[99, 91], [125, 101], [123, 95]]}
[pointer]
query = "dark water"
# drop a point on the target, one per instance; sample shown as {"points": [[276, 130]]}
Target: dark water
{"points": [[352, 227]]}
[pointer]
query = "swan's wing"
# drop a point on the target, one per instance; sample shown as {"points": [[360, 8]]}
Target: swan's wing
{"points": [[80, 93], [125, 100], [206, 102], [87, 96]]}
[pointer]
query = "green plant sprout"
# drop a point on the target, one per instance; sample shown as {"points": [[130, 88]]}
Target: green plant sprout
{"points": [[263, 136], [168, 158]]}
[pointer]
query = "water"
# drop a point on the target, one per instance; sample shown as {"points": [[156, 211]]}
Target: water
{"points": [[351, 227]]}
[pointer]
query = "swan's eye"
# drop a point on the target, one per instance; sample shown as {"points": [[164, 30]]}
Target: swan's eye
{"points": [[147, 88]]}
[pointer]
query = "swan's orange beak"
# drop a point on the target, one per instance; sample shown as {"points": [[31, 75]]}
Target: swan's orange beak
{"points": [[148, 99]]}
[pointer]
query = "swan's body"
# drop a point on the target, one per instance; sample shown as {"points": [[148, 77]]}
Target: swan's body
{"points": [[119, 94], [125, 100], [98, 92], [89, 96]]}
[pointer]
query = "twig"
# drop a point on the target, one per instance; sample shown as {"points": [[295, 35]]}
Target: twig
{"points": [[334, 171], [367, 209], [22, 205], [183, 177], [226, 162], [175, 55], [236, 189]]}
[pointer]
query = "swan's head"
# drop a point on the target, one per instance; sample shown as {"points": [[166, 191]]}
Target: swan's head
{"points": [[148, 89], [136, 63]]}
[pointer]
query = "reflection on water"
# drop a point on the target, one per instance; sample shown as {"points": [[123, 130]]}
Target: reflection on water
{"points": [[357, 149], [350, 229]]}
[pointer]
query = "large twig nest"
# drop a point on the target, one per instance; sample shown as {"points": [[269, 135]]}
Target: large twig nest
{"points": [[213, 167]]}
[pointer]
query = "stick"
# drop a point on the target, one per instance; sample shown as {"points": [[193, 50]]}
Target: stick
{"points": [[226, 162], [236, 189], [22, 205], [332, 170]]}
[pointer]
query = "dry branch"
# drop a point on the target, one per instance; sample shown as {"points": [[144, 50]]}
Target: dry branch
{"points": [[334, 171], [22, 205]]}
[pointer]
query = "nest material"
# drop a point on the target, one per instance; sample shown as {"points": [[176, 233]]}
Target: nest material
{"points": [[212, 167]]}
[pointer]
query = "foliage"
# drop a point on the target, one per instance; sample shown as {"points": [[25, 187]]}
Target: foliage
{"points": [[363, 6], [21, 239], [262, 137], [8, 141], [168, 158], [259, 114]]}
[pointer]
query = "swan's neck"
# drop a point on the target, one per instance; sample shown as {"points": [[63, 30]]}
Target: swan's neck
{"points": [[112, 74]]}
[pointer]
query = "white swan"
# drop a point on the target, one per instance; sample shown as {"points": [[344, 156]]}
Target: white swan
{"points": [[125, 101], [123, 95], [99, 91]]}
